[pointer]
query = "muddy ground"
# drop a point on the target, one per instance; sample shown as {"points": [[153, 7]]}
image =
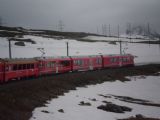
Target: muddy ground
{"points": [[18, 99]]}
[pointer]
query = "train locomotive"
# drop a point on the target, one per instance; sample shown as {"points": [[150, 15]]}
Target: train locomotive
{"points": [[16, 69]]}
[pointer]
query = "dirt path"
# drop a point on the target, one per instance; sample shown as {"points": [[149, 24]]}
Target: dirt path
{"points": [[18, 99]]}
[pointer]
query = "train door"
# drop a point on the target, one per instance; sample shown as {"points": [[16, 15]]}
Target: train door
{"points": [[120, 61], [90, 64], [57, 68]]}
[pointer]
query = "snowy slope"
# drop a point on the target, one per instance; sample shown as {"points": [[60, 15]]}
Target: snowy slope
{"points": [[53, 47]]}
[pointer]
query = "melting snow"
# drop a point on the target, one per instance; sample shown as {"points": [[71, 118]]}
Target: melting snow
{"points": [[146, 88]]}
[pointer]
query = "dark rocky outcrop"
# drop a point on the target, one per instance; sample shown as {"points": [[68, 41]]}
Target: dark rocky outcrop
{"points": [[82, 103], [19, 43], [110, 107]]}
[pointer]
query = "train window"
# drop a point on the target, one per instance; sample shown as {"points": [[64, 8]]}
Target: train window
{"points": [[80, 62], [7, 68], [76, 62], [98, 61], [20, 67], [32, 66], [120, 59], [129, 58], [125, 60], [65, 63], [28, 66], [24, 66], [113, 60], [52, 64], [15, 67], [41, 65], [48, 65]]}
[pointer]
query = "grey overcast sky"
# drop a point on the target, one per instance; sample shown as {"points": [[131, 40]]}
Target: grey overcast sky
{"points": [[79, 15]]}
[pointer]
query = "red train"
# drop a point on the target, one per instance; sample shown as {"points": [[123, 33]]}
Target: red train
{"points": [[13, 69]]}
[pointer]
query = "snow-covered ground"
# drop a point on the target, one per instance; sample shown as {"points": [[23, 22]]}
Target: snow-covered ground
{"points": [[146, 87], [145, 53]]}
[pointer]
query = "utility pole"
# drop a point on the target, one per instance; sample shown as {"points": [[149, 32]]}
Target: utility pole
{"points": [[103, 30], [120, 42], [10, 51], [67, 49]]}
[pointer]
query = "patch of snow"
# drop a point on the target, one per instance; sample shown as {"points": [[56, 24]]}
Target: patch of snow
{"points": [[143, 88]]}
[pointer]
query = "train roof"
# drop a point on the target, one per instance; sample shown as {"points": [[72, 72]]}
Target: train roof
{"points": [[118, 55], [87, 56], [33, 60], [20, 60], [51, 58]]}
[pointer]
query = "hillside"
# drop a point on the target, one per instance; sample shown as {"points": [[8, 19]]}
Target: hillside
{"points": [[19, 32]]}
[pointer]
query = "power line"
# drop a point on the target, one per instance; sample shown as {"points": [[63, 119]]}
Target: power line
{"points": [[104, 29], [109, 30], [60, 26], [67, 49]]}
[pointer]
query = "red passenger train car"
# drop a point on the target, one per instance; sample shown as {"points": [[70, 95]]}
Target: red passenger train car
{"points": [[118, 60], [52, 65], [19, 68], [84, 63]]}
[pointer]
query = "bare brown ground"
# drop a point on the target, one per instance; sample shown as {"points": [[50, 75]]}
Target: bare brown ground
{"points": [[18, 99]]}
